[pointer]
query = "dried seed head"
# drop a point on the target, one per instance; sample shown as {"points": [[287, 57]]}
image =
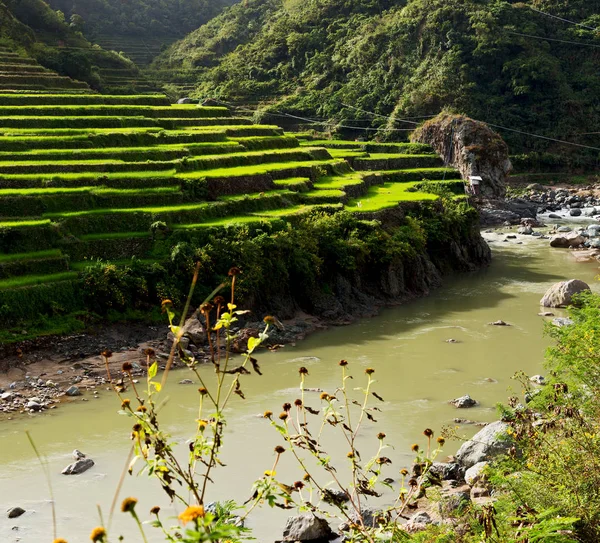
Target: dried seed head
{"points": [[268, 414], [125, 404], [206, 307], [441, 441], [380, 435], [343, 363], [428, 432], [269, 319], [414, 447], [350, 455], [149, 351], [283, 416], [219, 300], [298, 402], [298, 485], [155, 510], [369, 371], [413, 482], [137, 427], [234, 271], [287, 406], [279, 449], [303, 371], [128, 505], [142, 409], [324, 396], [404, 472], [106, 353], [203, 391], [306, 477], [127, 366]]}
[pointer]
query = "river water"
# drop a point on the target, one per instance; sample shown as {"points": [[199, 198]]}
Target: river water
{"points": [[417, 372]]}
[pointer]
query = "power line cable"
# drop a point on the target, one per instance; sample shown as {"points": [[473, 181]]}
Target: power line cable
{"points": [[562, 19], [553, 39]]}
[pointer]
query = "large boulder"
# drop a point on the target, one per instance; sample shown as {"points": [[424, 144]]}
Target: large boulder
{"points": [[561, 294], [78, 467], [491, 441], [471, 147], [371, 517], [307, 528], [567, 240]]}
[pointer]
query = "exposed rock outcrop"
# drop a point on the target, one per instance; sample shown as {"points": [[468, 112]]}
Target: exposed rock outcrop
{"points": [[471, 147], [491, 441], [307, 528]]}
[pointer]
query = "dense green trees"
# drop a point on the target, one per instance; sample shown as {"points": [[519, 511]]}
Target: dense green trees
{"points": [[492, 59], [141, 17]]}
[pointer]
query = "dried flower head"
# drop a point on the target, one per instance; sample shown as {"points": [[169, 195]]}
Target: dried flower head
{"points": [[414, 447], [98, 534], [441, 441], [343, 363], [283, 416], [298, 485], [142, 409], [149, 351], [287, 406], [192, 513], [380, 435], [382, 460], [234, 271], [137, 427], [350, 454], [219, 300], [298, 402], [369, 371], [279, 449], [268, 414], [324, 396], [155, 510], [106, 353], [269, 319], [125, 403], [127, 366], [413, 482], [203, 391], [428, 432], [404, 472], [165, 304], [303, 371], [128, 505], [206, 307], [306, 477]]}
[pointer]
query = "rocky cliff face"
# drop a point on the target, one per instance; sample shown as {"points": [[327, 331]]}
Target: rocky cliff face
{"points": [[471, 147]]}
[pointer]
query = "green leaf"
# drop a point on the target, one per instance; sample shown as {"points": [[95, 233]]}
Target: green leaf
{"points": [[253, 343], [152, 370]]}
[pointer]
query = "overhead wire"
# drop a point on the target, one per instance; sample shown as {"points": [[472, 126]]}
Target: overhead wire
{"points": [[552, 39], [562, 19]]}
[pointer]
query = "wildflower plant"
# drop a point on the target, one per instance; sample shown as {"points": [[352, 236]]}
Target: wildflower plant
{"points": [[348, 414]]}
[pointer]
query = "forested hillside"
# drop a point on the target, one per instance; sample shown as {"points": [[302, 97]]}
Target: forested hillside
{"points": [[32, 28], [170, 17], [530, 66]]}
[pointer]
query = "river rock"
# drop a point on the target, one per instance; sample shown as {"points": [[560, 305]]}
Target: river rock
{"points": [[78, 467], [486, 444], [538, 379], [446, 471], [525, 230], [561, 294], [73, 391], [194, 330], [307, 528], [554, 216], [419, 521], [562, 321], [15, 512], [464, 402], [572, 239], [475, 473], [563, 229], [7, 396], [593, 230], [498, 323], [453, 504], [371, 517], [34, 404], [186, 382], [575, 212]]}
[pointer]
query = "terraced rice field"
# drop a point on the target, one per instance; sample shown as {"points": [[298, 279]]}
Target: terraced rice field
{"points": [[86, 176]]}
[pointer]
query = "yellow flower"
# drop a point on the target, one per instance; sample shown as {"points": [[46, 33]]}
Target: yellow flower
{"points": [[60, 540], [269, 473], [191, 513], [98, 534]]}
